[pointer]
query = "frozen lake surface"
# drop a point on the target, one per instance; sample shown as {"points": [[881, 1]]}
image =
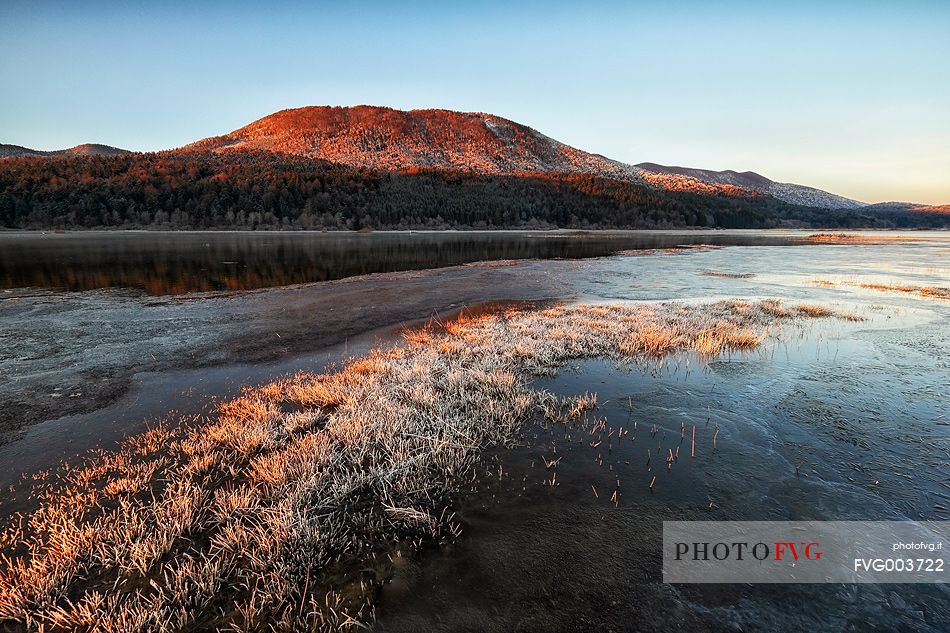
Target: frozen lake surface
{"points": [[832, 420]]}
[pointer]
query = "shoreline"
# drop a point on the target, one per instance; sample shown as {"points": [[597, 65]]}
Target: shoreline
{"points": [[58, 333], [254, 327], [539, 231], [98, 354]]}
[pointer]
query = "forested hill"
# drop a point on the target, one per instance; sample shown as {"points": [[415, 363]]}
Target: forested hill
{"points": [[323, 167], [266, 190]]}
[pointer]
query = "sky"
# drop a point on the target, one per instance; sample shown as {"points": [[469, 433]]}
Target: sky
{"points": [[850, 97]]}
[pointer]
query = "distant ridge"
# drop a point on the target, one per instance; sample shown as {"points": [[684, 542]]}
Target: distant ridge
{"points": [[787, 192], [909, 207], [86, 149]]}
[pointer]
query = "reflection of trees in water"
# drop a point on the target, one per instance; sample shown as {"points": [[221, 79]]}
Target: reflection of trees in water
{"points": [[174, 263]]}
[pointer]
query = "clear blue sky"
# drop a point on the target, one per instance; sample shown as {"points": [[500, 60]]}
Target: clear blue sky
{"points": [[853, 97]]}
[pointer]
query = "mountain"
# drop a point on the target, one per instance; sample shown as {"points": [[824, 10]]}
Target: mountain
{"points": [[9, 151], [685, 178], [374, 167], [391, 140], [86, 149], [907, 207], [385, 139], [92, 149]]}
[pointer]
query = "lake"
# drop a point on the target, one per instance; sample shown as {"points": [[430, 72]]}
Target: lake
{"points": [[832, 419], [173, 263]]}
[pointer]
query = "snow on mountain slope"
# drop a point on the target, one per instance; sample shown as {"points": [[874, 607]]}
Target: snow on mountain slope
{"points": [[787, 192], [811, 197]]}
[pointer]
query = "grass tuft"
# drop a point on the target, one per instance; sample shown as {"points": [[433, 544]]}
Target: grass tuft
{"points": [[813, 311]]}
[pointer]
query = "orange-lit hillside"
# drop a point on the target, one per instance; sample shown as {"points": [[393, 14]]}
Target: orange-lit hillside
{"points": [[391, 140]]}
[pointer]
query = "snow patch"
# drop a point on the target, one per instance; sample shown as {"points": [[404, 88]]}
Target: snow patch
{"points": [[810, 197]]}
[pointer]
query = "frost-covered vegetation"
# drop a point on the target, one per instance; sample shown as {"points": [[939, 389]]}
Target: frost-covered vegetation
{"points": [[284, 509]]}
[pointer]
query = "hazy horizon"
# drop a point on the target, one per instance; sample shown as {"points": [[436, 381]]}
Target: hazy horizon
{"points": [[852, 99]]}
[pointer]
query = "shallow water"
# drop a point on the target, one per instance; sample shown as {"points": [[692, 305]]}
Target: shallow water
{"points": [[836, 420]]}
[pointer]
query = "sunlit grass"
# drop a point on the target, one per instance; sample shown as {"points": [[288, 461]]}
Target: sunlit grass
{"points": [[923, 291], [938, 293], [930, 292], [813, 310]]}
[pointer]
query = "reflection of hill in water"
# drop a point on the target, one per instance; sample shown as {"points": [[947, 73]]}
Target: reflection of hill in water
{"points": [[178, 263]]}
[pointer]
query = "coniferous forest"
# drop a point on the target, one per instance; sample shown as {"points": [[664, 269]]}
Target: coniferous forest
{"points": [[268, 191]]}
